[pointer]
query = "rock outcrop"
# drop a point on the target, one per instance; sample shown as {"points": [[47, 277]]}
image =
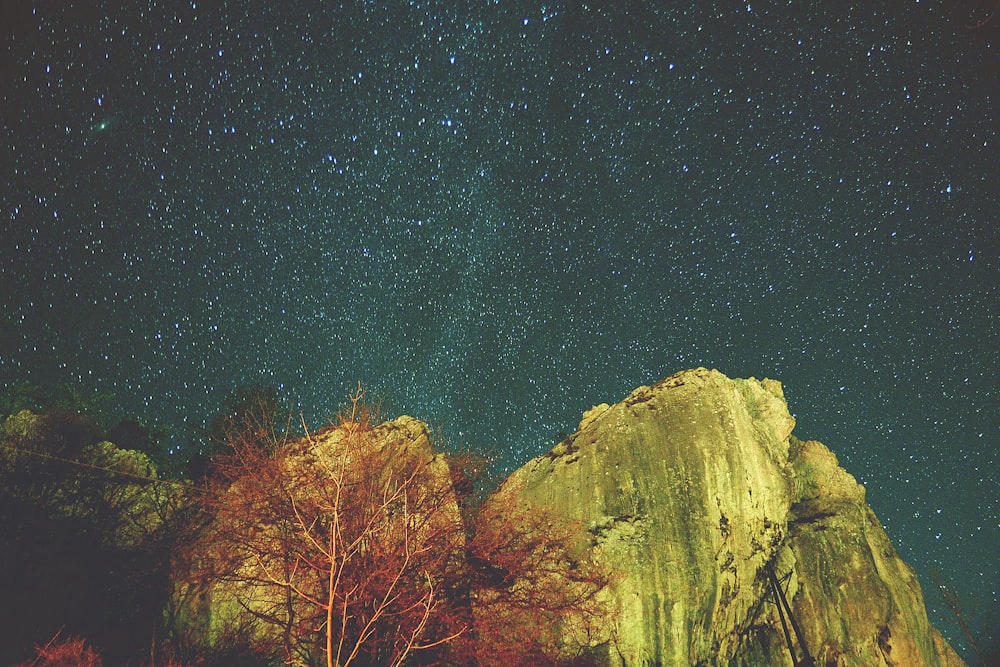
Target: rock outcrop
{"points": [[690, 492], [336, 519]]}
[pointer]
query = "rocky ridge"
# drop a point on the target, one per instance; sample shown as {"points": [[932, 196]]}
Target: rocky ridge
{"points": [[691, 491]]}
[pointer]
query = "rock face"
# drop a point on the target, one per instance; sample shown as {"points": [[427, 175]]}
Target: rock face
{"points": [[396, 510], [690, 491]]}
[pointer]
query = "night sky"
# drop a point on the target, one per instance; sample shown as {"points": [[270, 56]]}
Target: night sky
{"points": [[496, 215]]}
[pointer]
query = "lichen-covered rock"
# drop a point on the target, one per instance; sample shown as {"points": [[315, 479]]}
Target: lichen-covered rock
{"points": [[858, 602], [688, 491]]}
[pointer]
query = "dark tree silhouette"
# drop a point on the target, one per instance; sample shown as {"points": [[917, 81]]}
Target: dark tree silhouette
{"points": [[976, 625], [85, 528], [253, 415]]}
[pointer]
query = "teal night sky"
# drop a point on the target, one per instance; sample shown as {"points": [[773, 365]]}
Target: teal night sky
{"points": [[497, 214]]}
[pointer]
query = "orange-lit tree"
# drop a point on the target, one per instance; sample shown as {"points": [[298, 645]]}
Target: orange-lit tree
{"points": [[336, 543], [536, 597], [357, 545]]}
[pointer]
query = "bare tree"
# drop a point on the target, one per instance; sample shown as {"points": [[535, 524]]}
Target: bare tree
{"points": [[536, 598], [349, 546], [966, 617], [336, 543]]}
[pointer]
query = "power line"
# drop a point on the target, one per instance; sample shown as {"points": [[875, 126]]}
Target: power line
{"points": [[92, 466]]}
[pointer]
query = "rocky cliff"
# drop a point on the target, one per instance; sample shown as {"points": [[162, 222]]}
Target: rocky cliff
{"points": [[692, 492]]}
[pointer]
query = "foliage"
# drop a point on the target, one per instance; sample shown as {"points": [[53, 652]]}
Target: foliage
{"points": [[76, 652], [531, 598], [536, 601], [253, 415], [65, 398], [21, 396], [86, 528], [355, 545], [72, 652]]}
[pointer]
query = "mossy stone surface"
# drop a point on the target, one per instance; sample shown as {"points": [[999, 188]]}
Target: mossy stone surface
{"points": [[687, 491]]}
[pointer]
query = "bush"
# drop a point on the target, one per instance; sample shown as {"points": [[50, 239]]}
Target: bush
{"points": [[70, 652]]}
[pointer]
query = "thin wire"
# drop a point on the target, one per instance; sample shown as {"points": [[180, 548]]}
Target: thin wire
{"points": [[81, 464]]}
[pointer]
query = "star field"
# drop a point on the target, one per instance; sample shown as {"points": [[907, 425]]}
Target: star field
{"points": [[496, 215]]}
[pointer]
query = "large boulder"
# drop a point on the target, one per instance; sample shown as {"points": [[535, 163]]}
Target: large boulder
{"points": [[691, 492]]}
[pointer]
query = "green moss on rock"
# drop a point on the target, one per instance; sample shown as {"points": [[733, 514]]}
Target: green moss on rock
{"points": [[688, 490]]}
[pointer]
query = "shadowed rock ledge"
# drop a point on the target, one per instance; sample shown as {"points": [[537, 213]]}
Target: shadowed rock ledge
{"points": [[690, 492]]}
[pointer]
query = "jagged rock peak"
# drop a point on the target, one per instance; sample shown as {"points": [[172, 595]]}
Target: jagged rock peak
{"points": [[690, 491]]}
